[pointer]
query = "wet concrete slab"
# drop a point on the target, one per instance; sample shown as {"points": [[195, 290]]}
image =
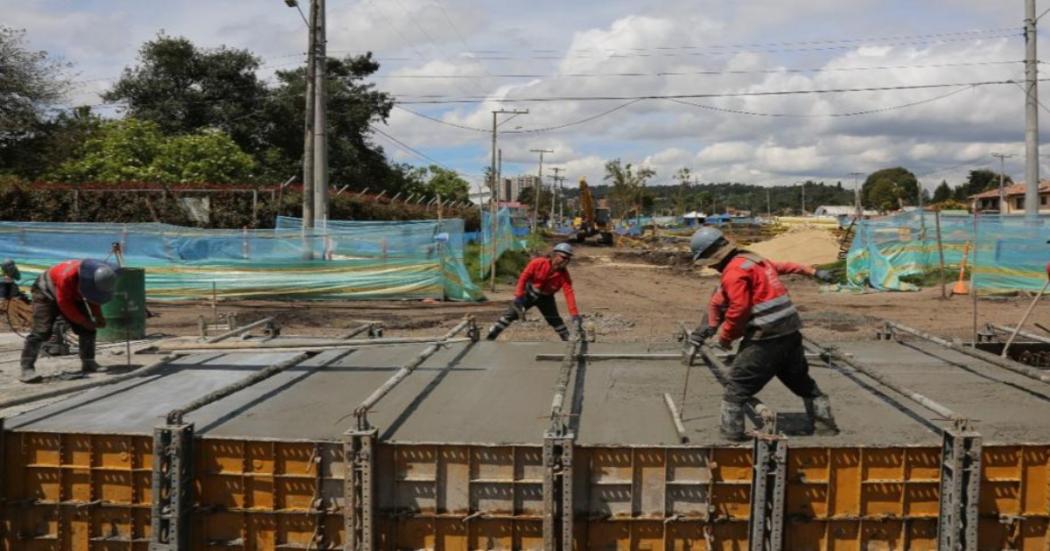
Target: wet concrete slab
{"points": [[498, 393]]}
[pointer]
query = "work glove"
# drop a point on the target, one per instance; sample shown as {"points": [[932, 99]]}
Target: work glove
{"points": [[519, 303], [725, 344], [825, 276], [701, 334]]}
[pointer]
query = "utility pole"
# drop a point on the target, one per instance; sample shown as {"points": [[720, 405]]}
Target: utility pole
{"points": [[320, 117], [554, 190], [494, 183], [859, 212], [308, 127], [1031, 127], [1002, 176], [538, 192]]}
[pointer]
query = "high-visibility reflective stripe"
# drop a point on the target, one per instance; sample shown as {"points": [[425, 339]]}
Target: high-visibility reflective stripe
{"points": [[768, 319], [770, 304]]}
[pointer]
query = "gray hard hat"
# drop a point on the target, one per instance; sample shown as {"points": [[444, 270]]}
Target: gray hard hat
{"points": [[98, 279], [706, 241], [10, 269], [563, 248]]}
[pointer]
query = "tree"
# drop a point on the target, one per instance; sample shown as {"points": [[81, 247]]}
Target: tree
{"points": [[628, 186], [447, 183], [681, 195], [900, 182], [183, 89], [942, 193], [978, 181], [132, 150], [30, 84]]}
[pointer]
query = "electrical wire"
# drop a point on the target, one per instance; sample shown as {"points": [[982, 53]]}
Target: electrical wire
{"points": [[818, 91], [522, 131], [824, 115], [407, 148]]}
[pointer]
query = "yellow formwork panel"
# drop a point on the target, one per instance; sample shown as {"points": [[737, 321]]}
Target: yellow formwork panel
{"points": [[76, 491]]}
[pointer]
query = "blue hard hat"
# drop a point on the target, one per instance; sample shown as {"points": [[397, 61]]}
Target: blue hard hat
{"points": [[98, 279], [704, 241]]}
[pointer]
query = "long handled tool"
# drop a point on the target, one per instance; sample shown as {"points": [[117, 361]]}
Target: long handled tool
{"points": [[1027, 313]]}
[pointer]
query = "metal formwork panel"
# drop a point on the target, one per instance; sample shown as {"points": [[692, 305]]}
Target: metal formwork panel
{"points": [[259, 495], [1014, 505], [76, 491], [860, 498], [458, 496], [669, 498]]}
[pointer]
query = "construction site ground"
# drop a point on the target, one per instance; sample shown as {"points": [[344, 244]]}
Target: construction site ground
{"points": [[629, 299]]}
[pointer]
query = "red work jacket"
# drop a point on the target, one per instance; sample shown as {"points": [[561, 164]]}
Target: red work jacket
{"points": [[751, 300], [547, 281], [62, 282]]}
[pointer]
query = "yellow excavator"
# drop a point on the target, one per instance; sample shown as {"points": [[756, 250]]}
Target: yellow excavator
{"points": [[593, 220]]}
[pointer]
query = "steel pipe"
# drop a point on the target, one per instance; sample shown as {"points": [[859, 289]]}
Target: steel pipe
{"points": [[834, 355], [676, 417], [1025, 334], [238, 331], [361, 412], [1009, 365], [562, 386], [54, 393], [358, 330], [721, 372], [292, 344]]}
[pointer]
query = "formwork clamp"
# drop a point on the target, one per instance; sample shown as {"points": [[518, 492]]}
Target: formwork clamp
{"points": [[960, 489], [768, 488]]}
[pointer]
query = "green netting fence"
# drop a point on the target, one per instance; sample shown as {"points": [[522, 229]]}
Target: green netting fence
{"points": [[1008, 253], [498, 242], [351, 260]]}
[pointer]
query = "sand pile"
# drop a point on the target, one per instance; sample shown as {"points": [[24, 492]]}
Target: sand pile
{"points": [[802, 245]]}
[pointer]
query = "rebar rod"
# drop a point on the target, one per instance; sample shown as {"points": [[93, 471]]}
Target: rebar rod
{"points": [[357, 331], [570, 357], [293, 343], [1009, 365], [361, 412], [676, 417], [176, 415], [835, 355], [238, 331]]}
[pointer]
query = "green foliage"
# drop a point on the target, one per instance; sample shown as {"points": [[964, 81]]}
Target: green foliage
{"points": [[942, 193], [627, 196], [890, 188], [131, 150], [978, 181], [30, 83], [447, 183]]}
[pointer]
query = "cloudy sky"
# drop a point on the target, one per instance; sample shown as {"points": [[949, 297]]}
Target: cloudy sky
{"points": [[579, 67]]}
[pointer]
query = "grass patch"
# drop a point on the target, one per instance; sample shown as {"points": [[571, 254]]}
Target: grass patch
{"points": [[837, 269], [932, 278], [508, 266]]}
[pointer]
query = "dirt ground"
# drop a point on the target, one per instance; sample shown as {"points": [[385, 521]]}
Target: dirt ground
{"points": [[624, 298]]}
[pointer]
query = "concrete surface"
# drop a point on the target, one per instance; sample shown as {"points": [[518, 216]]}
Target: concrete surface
{"points": [[497, 393]]}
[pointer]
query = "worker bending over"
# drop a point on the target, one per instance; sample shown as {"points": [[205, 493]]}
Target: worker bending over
{"points": [[751, 302], [538, 283], [73, 290]]}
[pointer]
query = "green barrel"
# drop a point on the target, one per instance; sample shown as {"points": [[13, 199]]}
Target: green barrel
{"points": [[126, 313]]}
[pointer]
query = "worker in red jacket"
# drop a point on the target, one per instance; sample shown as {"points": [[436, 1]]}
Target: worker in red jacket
{"points": [[541, 279], [752, 303], [73, 290]]}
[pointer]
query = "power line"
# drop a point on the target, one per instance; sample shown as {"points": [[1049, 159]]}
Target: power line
{"points": [[824, 115], [712, 72], [412, 150], [522, 131], [549, 99]]}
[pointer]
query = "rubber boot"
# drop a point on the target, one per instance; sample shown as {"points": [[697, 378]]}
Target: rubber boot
{"points": [[87, 353], [29, 354], [819, 412], [732, 427]]}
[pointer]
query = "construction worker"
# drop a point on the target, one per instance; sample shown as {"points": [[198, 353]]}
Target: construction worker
{"points": [[541, 279], [8, 284], [751, 302], [74, 291]]}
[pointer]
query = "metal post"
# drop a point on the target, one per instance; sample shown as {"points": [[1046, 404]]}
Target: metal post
{"points": [[1003, 206], [768, 486], [960, 490], [358, 489], [308, 140], [1031, 127], [940, 252], [172, 487], [321, 121]]}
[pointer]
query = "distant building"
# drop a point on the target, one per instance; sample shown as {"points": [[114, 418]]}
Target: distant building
{"points": [[519, 183], [1014, 194]]}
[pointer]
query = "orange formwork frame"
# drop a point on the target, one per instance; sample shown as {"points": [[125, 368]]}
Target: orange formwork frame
{"points": [[178, 491]]}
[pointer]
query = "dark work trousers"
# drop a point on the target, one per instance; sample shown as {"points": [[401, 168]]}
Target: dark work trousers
{"points": [[759, 361], [45, 312], [547, 307]]}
